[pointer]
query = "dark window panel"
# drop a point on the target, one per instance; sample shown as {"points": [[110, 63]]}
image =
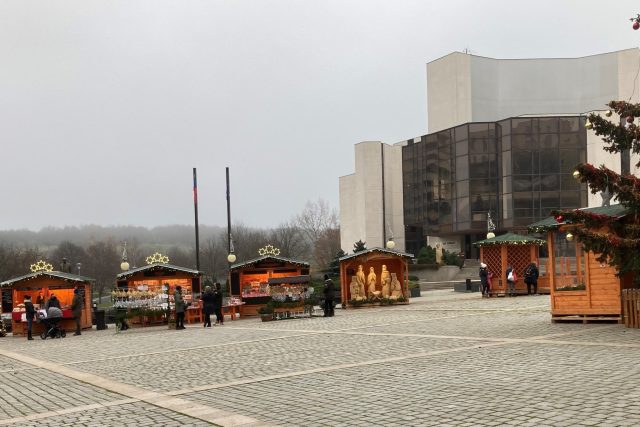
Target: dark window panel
{"points": [[550, 182], [521, 162], [461, 132], [549, 162], [521, 126], [548, 124], [523, 200], [569, 124], [522, 183]]}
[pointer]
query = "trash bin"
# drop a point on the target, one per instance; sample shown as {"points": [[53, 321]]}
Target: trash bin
{"points": [[468, 283], [100, 323]]}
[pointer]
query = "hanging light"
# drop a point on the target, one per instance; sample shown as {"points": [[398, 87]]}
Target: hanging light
{"points": [[491, 235], [576, 174], [231, 257], [609, 113], [124, 265], [391, 244], [588, 124], [569, 237]]}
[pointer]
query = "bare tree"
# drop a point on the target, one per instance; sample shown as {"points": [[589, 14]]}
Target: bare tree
{"points": [[213, 256], [73, 253], [246, 241], [326, 247], [314, 221], [290, 239], [16, 261], [103, 264]]}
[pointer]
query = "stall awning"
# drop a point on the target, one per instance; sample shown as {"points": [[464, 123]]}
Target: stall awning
{"points": [[550, 223], [510, 239], [381, 250], [289, 280], [53, 274], [158, 266]]}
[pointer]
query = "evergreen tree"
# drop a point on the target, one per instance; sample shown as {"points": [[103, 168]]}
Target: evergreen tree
{"points": [[359, 246], [334, 266], [616, 238]]}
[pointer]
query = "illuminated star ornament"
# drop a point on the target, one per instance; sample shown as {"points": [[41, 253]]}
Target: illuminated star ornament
{"points": [[41, 266], [157, 258], [269, 250]]}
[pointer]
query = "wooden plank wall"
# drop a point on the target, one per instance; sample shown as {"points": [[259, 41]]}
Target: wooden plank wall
{"points": [[631, 307]]}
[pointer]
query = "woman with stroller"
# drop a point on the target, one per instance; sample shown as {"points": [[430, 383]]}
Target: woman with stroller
{"points": [[208, 305], [53, 302]]}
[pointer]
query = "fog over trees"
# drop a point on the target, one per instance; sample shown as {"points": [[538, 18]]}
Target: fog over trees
{"points": [[312, 235]]}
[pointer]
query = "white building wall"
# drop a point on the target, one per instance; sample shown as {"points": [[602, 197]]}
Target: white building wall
{"points": [[466, 88], [361, 197]]}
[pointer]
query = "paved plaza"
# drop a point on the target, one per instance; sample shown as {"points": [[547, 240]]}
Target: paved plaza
{"points": [[446, 359]]}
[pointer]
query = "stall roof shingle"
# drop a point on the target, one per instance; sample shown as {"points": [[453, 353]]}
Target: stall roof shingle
{"points": [[158, 266], [615, 211], [56, 274], [269, 257], [511, 239], [383, 250]]}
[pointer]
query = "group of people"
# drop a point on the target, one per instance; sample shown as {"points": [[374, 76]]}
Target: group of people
{"points": [[53, 309], [211, 304], [531, 274]]}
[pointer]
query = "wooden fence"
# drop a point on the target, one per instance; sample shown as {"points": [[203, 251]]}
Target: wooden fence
{"points": [[631, 307]]}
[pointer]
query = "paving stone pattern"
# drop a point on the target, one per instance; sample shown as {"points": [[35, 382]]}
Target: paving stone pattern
{"points": [[446, 359]]}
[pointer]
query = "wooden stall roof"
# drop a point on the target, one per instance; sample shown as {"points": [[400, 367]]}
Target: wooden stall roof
{"points": [[158, 266], [289, 279], [550, 223], [368, 251], [269, 258], [68, 277], [510, 239]]}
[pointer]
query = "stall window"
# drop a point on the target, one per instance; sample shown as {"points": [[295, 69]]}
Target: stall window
{"points": [[569, 264]]}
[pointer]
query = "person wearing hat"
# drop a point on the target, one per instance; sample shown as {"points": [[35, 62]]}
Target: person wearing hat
{"points": [[328, 292], [484, 280], [30, 315], [76, 307]]}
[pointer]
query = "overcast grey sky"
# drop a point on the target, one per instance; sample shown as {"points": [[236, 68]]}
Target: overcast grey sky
{"points": [[106, 106]]}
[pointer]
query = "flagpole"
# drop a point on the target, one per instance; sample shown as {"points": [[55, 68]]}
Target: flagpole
{"points": [[195, 207]]}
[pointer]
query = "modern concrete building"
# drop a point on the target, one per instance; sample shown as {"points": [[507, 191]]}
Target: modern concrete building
{"points": [[504, 136]]}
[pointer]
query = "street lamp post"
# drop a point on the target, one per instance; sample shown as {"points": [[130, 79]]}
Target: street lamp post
{"points": [[231, 257]]}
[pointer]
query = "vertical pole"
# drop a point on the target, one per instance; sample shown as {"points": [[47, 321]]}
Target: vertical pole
{"points": [[228, 230], [195, 207], [384, 215]]}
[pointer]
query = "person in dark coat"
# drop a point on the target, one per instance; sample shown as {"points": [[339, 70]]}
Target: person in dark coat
{"points": [[180, 305], [30, 314], [531, 278], [76, 307], [218, 305], [208, 305], [328, 292], [40, 301], [484, 280], [53, 302]]}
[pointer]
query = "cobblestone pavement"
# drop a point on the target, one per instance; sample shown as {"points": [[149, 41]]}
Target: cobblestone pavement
{"points": [[445, 359]]}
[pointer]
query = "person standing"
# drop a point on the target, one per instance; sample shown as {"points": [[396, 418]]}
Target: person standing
{"points": [[218, 305], [531, 278], [208, 305], [40, 301], [484, 280], [53, 302], [30, 315], [180, 307], [328, 292], [511, 281], [76, 307]]}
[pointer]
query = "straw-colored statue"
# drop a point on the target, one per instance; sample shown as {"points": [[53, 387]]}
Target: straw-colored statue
{"points": [[396, 289], [361, 281], [372, 280], [354, 287]]}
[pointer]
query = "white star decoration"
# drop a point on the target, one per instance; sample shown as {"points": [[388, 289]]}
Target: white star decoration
{"points": [[41, 266], [157, 258], [269, 250]]}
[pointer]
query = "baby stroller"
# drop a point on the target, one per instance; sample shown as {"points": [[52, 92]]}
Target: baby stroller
{"points": [[50, 322]]}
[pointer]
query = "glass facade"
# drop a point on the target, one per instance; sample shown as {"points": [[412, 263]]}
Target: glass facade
{"points": [[519, 169]]}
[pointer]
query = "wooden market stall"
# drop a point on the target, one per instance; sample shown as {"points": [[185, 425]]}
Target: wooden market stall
{"points": [[374, 275], [581, 286], [47, 283], [250, 279], [517, 251], [146, 288]]}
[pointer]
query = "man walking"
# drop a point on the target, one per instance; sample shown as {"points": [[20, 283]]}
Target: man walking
{"points": [[30, 315], [180, 307], [328, 292]]}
